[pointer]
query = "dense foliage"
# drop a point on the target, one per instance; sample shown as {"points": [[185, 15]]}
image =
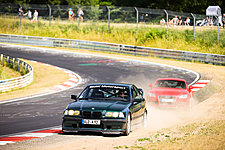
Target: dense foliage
{"points": [[194, 6]]}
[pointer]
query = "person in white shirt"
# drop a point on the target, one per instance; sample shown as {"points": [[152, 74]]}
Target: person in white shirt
{"points": [[80, 13], [35, 16], [187, 22], [28, 14]]}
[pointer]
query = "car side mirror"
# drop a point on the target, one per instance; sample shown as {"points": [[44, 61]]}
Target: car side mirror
{"points": [[74, 97], [138, 99], [190, 88], [141, 91]]}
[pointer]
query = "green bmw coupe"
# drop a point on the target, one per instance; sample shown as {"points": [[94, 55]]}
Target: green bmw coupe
{"points": [[105, 107]]}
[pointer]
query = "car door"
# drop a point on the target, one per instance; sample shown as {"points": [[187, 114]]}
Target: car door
{"points": [[137, 106], [142, 102]]}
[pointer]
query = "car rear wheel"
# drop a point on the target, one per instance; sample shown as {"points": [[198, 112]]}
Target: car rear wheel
{"points": [[145, 119], [128, 125]]}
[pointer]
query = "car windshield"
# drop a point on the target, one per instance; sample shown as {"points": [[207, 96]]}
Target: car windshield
{"points": [[170, 84], [106, 92]]}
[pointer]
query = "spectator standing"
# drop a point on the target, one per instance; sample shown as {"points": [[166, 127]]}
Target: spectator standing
{"points": [[20, 11], [70, 14], [35, 16], [223, 20], [28, 14], [220, 21], [142, 18], [162, 21], [146, 18], [80, 13]]}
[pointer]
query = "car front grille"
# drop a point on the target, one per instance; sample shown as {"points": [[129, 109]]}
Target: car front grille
{"points": [[97, 114], [86, 113], [92, 114]]}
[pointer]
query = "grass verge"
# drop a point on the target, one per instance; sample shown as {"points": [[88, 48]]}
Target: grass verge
{"points": [[41, 83], [198, 136], [179, 38], [8, 73]]}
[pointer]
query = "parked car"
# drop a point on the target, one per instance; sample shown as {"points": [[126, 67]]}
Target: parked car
{"points": [[170, 92], [106, 108]]}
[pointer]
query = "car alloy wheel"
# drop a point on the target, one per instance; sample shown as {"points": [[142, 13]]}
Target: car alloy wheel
{"points": [[128, 125]]}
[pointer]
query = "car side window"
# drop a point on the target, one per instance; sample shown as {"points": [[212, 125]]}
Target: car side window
{"points": [[137, 91], [134, 92]]}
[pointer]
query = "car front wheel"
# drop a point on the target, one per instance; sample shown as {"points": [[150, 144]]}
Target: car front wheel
{"points": [[128, 125]]}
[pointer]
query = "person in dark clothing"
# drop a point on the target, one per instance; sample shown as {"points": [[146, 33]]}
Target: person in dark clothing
{"points": [[223, 20]]}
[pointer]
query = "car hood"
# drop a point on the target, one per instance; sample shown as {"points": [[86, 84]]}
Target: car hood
{"points": [[169, 91], [99, 105]]}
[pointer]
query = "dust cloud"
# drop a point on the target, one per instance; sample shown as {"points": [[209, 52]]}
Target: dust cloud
{"points": [[157, 118]]}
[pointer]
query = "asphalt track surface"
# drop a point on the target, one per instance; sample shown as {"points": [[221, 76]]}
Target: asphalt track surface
{"points": [[47, 111]]}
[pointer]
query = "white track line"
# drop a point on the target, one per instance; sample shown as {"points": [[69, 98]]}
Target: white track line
{"points": [[6, 142], [35, 135]]}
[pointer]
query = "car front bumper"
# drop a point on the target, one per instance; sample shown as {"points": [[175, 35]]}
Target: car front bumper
{"points": [[73, 124]]}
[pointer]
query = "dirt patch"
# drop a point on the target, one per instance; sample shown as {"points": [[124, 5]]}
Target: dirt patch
{"points": [[41, 83]]}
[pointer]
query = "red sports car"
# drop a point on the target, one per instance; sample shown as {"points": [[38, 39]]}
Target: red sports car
{"points": [[170, 92]]}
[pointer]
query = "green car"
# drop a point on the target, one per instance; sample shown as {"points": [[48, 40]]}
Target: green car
{"points": [[105, 107]]}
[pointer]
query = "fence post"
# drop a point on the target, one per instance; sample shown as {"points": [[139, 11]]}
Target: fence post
{"points": [[8, 60], [13, 63], [49, 14], [26, 67], [2, 60], [218, 32], [167, 18], [136, 17], [20, 15], [78, 19], [194, 24], [18, 62], [108, 18]]}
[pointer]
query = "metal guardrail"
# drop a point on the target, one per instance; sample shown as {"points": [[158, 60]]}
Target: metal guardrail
{"points": [[117, 48], [20, 66]]}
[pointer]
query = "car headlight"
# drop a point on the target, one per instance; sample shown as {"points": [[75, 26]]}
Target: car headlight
{"points": [[72, 112], [152, 95], [114, 114], [183, 96]]}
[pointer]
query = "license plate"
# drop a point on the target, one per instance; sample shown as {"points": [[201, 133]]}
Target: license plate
{"points": [[168, 100], [88, 121]]}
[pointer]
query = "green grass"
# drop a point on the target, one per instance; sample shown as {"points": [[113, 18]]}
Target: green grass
{"points": [[150, 36]]}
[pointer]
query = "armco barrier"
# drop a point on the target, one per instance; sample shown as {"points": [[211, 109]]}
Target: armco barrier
{"points": [[117, 48], [20, 66]]}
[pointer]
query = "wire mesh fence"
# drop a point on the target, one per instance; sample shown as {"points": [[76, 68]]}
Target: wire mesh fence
{"points": [[82, 15], [94, 13]]}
